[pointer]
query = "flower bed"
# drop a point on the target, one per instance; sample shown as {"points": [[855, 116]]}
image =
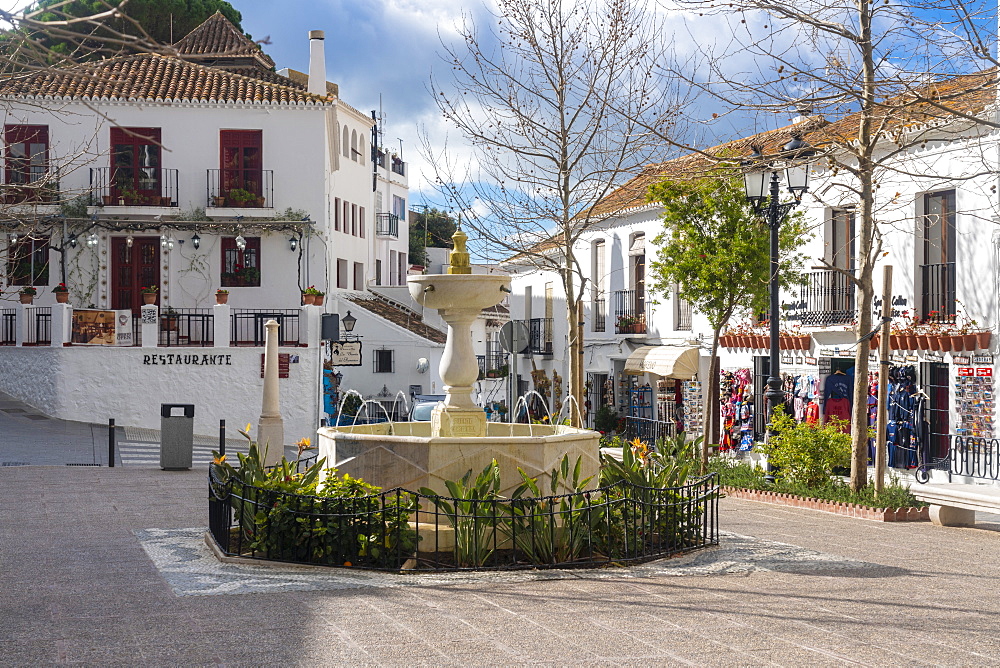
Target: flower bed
{"points": [[911, 514]]}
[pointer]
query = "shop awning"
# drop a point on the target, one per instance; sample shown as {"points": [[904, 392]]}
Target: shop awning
{"points": [[664, 361]]}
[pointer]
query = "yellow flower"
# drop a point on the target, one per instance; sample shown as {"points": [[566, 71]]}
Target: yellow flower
{"points": [[219, 460], [247, 430]]}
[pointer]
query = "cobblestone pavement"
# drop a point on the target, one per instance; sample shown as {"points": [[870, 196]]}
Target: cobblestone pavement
{"points": [[796, 587]]}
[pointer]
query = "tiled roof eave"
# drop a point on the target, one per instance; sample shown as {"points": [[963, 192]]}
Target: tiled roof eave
{"points": [[103, 99]]}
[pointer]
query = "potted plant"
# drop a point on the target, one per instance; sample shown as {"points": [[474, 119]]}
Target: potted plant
{"points": [[218, 200], [222, 296], [28, 294], [149, 294], [128, 196], [169, 320], [309, 295], [62, 293], [318, 298], [239, 196]]}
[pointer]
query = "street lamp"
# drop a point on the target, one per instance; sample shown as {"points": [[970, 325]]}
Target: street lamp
{"points": [[761, 181], [348, 321]]}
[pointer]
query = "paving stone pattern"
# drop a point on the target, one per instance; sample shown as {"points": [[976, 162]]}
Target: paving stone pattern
{"points": [[803, 588]]}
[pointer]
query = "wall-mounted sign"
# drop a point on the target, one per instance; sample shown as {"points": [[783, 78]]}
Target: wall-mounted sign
{"points": [[123, 329], [786, 359], [825, 365], [934, 357], [965, 371], [799, 359], [982, 359], [811, 361], [986, 371], [192, 360], [345, 353], [826, 352], [960, 359], [284, 359]]}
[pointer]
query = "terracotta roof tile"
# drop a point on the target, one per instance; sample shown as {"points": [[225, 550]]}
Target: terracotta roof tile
{"points": [[218, 37], [405, 318], [154, 77]]}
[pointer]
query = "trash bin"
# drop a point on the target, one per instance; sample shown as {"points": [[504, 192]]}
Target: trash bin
{"points": [[176, 436]]}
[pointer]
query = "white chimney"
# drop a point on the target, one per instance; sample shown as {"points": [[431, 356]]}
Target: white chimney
{"points": [[317, 64]]}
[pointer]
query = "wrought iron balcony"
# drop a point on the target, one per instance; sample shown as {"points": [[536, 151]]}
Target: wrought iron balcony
{"points": [[540, 336], [241, 188], [630, 312], [599, 313], [386, 226], [127, 186], [937, 300], [826, 297]]}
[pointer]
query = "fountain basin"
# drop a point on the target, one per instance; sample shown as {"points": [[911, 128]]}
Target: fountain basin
{"points": [[463, 291], [407, 455]]}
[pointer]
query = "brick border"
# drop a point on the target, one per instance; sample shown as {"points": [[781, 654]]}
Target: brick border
{"points": [[835, 507]]}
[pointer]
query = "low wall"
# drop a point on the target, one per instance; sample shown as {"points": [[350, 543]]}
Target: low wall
{"points": [[93, 384]]}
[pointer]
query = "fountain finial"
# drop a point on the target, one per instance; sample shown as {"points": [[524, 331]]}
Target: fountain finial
{"points": [[458, 259]]}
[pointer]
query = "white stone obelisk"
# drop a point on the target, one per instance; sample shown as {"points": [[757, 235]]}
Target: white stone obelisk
{"points": [[270, 426]]}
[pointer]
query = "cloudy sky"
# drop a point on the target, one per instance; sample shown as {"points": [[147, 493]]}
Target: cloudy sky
{"points": [[380, 52]]}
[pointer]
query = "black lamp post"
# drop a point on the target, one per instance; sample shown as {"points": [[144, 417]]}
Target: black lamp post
{"points": [[761, 180]]}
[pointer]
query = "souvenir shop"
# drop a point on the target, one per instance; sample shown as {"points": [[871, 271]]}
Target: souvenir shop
{"points": [[919, 407]]}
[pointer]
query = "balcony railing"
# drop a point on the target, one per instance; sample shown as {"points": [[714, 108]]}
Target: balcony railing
{"points": [[494, 362], [39, 332], [248, 326], [599, 311], [937, 303], [143, 186], [43, 188], [826, 297], [540, 336], [240, 188], [187, 327], [8, 327], [386, 226], [630, 312], [398, 166]]}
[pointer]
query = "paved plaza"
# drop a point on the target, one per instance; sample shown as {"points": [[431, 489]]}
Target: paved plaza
{"points": [[107, 567]]}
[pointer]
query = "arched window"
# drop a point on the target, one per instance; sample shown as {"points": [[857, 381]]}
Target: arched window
{"points": [[346, 143], [354, 145]]}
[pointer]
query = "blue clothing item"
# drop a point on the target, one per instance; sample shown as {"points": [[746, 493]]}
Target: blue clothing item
{"points": [[837, 386]]}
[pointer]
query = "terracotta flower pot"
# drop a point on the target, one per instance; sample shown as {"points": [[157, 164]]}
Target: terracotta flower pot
{"points": [[956, 343], [933, 342], [923, 342], [318, 299], [307, 300], [804, 341], [910, 341], [873, 342], [894, 342], [969, 342], [944, 342], [983, 340], [148, 297], [27, 299], [221, 297], [62, 297]]}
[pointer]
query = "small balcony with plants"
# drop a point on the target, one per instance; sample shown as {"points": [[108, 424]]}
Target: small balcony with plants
{"points": [[240, 189], [630, 312], [126, 187]]}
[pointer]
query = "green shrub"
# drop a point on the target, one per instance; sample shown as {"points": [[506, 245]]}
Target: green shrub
{"points": [[472, 512], [606, 419], [805, 453]]}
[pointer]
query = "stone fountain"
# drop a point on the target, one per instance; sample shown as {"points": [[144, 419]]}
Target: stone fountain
{"points": [[458, 437]]}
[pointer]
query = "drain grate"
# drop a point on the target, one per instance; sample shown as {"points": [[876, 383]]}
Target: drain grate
{"points": [[83, 465], [15, 464]]}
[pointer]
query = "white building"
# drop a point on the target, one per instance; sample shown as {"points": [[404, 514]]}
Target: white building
{"points": [[193, 173], [939, 232]]}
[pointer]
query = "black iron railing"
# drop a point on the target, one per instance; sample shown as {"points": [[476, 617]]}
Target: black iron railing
{"points": [[827, 298], [8, 327], [387, 226], [187, 327], [540, 336], [248, 326], [630, 312], [975, 457], [937, 302], [398, 166], [599, 311], [240, 188], [403, 530], [143, 186], [136, 332], [648, 430], [39, 331]]}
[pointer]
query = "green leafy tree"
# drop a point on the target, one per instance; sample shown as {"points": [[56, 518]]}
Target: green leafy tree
{"points": [[161, 21], [431, 228], [715, 252]]}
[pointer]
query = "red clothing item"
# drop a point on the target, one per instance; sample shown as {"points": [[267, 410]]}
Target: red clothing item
{"points": [[840, 408], [812, 413]]}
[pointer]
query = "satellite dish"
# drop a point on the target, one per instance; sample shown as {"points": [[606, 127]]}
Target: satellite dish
{"points": [[423, 365], [514, 336]]}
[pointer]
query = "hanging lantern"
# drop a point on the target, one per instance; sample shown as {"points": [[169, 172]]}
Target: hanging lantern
{"points": [[92, 240], [196, 241], [241, 243], [129, 240]]}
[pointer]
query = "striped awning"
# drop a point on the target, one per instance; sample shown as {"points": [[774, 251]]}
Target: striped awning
{"points": [[664, 361]]}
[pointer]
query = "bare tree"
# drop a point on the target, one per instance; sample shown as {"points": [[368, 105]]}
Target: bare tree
{"points": [[554, 98], [896, 75]]}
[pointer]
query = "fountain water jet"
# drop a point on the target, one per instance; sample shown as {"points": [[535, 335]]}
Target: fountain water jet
{"points": [[458, 438]]}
